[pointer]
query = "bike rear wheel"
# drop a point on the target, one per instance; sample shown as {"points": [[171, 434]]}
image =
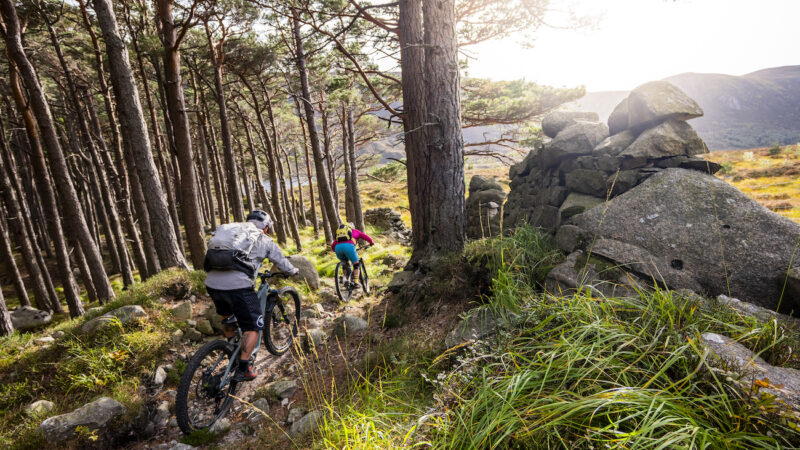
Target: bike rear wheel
{"points": [[202, 397], [282, 321], [344, 288], [364, 277]]}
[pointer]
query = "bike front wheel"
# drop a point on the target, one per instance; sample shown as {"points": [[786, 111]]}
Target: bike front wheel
{"points": [[344, 288], [204, 390], [282, 321]]}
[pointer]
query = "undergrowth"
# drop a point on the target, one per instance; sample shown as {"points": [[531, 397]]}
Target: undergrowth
{"points": [[80, 367], [569, 372]]}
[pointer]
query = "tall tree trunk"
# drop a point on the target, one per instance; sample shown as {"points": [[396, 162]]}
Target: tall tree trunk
{"points": [[83, 269], [350, 154], [6, 327], [216, 166], [294, 223], [120, 184], [348, 191], [325, 194], [274, 183], [302, 206], [58, 166], [326, 142], [134, 131], [308, 171], [234, 194], [190, 204], [7, 247], [262, 193], [201, 137], [442, 183], [27, 246], [11, 264], [23, 231]]}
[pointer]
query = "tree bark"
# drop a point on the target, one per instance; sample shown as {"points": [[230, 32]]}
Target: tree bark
{"points": [[6, 327], [11, 263], [58, 166], [190, 204], [442, 185], [308, 172], [348, 191], [274, 185], [325, 194], [134, 131], [234, 194], [350, 155]]}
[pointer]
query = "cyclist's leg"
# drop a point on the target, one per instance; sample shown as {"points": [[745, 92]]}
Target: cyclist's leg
{"points": [[248, 313], [341, 253], [222, 303], [352, 255]]}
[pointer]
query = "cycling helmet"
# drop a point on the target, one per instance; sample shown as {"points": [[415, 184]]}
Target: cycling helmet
{"points": [[260, 218]]}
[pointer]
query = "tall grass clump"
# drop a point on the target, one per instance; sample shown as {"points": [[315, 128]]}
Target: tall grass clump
{"points": [[517, 263], [582, 372]]}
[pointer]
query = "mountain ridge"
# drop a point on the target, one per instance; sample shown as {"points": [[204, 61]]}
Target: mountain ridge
{"points": [[752, 110]]}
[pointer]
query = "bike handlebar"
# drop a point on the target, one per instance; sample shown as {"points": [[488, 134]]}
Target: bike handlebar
{"points": [[269, 274]]}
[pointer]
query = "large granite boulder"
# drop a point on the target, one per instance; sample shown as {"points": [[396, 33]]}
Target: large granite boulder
{"points": [[308, 271], [703, 227], [27, 317], [670, 138], [94, 416], [578, 203], [577, 139], [554, 122], [618, 120], [657, 101]]}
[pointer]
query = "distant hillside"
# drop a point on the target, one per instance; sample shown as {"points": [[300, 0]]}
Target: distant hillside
{"points": [[753, 110]]}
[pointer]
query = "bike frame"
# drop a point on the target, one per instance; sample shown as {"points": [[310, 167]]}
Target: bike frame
{"points": [[266, 297]]}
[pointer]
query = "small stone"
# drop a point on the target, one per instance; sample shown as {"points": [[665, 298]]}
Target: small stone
{"points": [[26, 317], [39, 407], [172, 393], [204, 326], [296, 414], [192, 298], [306, 425], [159, 377], [283, 388], [221, 426], [173, 423], [124, 315], [183, 311], [314, 337], [259, 412], [161, 419], [348, 324], [95, 415], [193, 335], [191, 323], [177, 337], [58, 334], [44, 340]]}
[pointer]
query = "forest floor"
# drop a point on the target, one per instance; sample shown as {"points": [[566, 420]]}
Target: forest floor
{"points": [[395, 384]]}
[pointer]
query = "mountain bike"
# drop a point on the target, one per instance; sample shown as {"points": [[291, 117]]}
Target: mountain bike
{"points": [[206, 387], [345, 285]]}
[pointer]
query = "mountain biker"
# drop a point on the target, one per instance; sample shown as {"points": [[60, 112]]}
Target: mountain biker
{"points": [[235, 254], [345, 245]]}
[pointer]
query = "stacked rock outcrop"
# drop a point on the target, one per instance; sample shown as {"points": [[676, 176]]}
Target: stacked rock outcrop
{"points": [[632, 207], [587, 162], [483, 207]]}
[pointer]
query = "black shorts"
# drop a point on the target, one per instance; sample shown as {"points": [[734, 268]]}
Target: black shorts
{"points": [[242, 303]]}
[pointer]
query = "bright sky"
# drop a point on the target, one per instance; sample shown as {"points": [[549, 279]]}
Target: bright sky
{"points": [[636, 41]]}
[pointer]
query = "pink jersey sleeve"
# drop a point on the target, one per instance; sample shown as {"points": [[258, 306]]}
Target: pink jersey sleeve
{"points": [[361, 235]]}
